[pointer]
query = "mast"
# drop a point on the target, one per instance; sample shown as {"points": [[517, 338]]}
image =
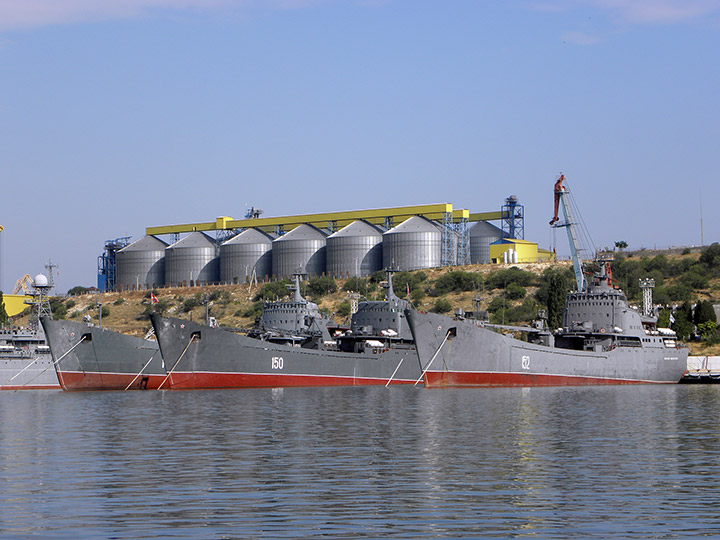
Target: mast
{"points": [[561, 194]]}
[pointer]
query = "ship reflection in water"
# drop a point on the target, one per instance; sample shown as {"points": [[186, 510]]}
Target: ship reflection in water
{"points": [[565, 462]]}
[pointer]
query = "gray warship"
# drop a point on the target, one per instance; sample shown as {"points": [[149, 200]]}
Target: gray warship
{"points": [[25, 359], [88, 357], [602, 340], [293, 344]]}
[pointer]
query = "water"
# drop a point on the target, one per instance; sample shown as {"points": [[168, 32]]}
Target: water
{"points": [[598, 462]]}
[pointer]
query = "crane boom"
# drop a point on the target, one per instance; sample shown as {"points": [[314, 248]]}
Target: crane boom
{"points": [[561, 194]]}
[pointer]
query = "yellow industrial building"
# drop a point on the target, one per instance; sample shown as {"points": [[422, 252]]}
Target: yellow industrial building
{"points": [[513, 250]]}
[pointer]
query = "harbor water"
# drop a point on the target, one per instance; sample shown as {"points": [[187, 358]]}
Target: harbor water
{"points": [[367, 462]]}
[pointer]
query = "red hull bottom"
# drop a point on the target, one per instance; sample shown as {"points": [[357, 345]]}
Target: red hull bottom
{"points": [[72, 380], [31, 387], [197, 380], [445, 379]]}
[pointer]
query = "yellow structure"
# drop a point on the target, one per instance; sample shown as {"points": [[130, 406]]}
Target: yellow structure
{"points": [[15, 303], [512, 250], [335, 220]]}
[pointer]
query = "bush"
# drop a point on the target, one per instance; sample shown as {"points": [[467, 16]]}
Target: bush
{"points": [[58, 309], [404, 280], [442, 305], [502, 278], [254, 311], [190, 304], [120, 301], [70, 304], [496, 304], [320, 286], [272, 290], [417, 295], [515, 292], [343, 310], [458, 280], [359, 285]]}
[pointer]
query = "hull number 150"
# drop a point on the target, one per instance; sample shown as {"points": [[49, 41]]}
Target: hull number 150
{"points": [[277, 362]]}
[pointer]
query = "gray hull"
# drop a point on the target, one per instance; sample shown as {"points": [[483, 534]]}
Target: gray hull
{"points": [[91, 358], [25, 361], [202, 357], [460, 353]]}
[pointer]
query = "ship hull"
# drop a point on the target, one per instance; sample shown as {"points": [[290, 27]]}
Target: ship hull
{"points": [[460, 353], [91, 358], [26, 362], [35, 372], [201, 357]]}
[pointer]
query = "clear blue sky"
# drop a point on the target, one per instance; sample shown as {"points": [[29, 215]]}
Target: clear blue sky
{"points": [[115, 116]]}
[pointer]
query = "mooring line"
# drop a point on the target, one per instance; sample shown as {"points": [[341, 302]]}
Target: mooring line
{"points": [[177, 362], [54, 363], [394, 372], [143, 369], [433, 358]]}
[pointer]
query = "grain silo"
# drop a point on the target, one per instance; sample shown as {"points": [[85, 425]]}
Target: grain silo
{"points": [[192, 260], [415, 243], [355, 250], [300, 250], [482, 234], [246, 254], [141, 265]]}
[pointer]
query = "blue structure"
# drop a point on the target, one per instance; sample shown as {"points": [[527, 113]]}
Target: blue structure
{"points": [[107, 264], [513, 218]]}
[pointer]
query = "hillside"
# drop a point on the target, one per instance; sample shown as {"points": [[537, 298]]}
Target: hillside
{"points": [[511, 293]]}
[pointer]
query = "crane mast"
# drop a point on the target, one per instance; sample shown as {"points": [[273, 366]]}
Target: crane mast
{"points": [[561, 194]]}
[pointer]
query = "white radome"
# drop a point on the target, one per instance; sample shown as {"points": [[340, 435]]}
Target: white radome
{"points": [[41, 281]]}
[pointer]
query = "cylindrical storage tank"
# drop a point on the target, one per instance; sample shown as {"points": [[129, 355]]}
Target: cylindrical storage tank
{"points": [[355, 250], [415, 243], [301, 250], [482, 234], [244, 253], [192, 259], [141, 265]]}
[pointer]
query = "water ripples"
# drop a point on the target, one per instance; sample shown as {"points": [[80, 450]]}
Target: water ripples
{"points": [[626, 462]]}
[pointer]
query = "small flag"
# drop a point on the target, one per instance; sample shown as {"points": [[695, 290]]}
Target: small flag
{"points": [[407, 284], [153, 298], [672, 319]]}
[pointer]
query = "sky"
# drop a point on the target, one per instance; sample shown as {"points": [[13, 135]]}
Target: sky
{"points": [[117, 115]]}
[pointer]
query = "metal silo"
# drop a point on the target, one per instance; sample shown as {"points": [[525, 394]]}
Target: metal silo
{"points": [[415, 243], [192, 259], [245, 253], [482, 234], [141, 264], [355, 250], [300, 250]]}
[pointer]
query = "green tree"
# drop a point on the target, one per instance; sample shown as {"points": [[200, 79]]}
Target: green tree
{"points": [[343, 309], [78, 290], [271, 291], [3, 313], [707, 330], [442, 305], [621, 244], [458, 280], [515, 292], [557, 290], [683, 324], [359, 285], [664, 319], [321, 285], [704, 312]]}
